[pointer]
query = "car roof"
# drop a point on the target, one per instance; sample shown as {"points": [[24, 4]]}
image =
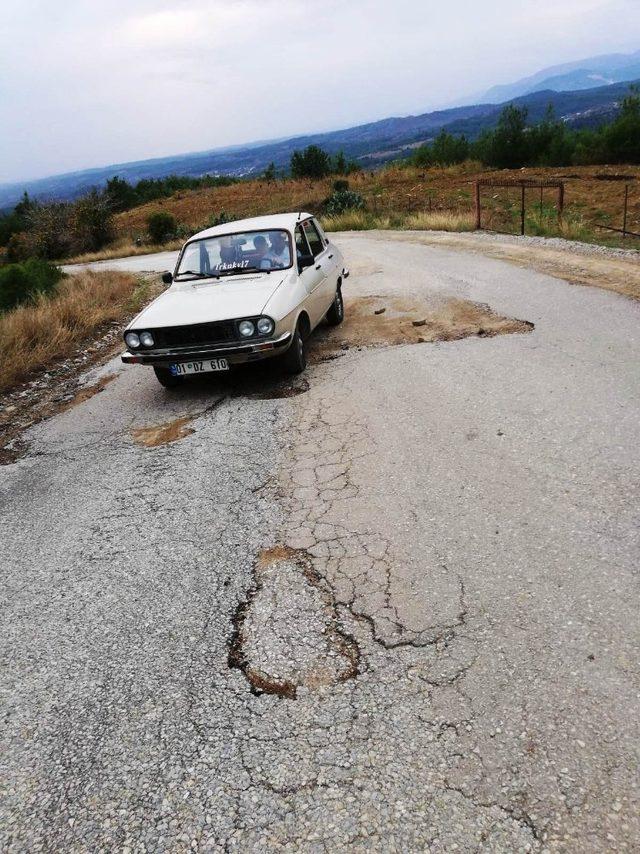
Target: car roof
{"points": [[287, 221]]}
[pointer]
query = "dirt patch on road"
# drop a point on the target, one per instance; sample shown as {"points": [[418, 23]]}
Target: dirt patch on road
{"points": [[163, 434], [375, 321], [87, 392]]}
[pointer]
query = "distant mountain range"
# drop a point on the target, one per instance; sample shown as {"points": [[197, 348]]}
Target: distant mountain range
{"points": [[570, 77], [371, 144]]}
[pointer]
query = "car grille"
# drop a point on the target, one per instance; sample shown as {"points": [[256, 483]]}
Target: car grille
{"points": [[195, 335]]}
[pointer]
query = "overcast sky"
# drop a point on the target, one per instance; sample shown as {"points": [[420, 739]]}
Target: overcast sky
{"points": [[92, 83]]}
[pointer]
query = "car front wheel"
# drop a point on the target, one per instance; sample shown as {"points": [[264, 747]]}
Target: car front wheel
{"points": [[335, 315], [166, 378], [294, 361]]}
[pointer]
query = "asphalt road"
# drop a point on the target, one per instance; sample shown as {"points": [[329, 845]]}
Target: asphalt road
{"points": [[434, 549]]}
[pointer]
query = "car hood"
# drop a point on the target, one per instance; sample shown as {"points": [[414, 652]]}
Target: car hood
{"points": [[215, 299]]}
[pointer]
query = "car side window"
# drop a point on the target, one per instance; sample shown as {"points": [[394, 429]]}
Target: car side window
{"points": [[302, 247], [316, 243], [320, 230]]}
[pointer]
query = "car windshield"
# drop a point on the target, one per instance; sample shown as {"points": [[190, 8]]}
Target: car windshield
{"points": [[233, 254]]}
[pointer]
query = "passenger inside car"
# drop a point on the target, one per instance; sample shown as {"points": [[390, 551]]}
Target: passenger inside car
{"points": [[279, 254]]}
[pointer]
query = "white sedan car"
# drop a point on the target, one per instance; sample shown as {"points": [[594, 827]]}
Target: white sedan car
{"points": [[240, 292]]}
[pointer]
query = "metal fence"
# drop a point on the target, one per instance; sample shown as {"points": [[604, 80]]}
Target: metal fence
{"points": [[523, 184], [624, 231]]}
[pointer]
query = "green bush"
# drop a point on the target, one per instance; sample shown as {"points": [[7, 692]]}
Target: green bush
{"points": [[91, 222], [312, 163], [217, 219], [343, 200], [161, 226], [21, 283], [446, 150]]}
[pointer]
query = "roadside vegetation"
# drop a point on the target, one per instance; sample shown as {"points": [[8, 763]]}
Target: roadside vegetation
{"points": [[52, 325]]}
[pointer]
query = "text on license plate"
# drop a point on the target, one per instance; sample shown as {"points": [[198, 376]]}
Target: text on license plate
{"points": [[199, 367]]}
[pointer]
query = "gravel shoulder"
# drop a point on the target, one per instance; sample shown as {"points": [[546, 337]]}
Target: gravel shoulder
{"points": [[395, 610], [616, 270]]}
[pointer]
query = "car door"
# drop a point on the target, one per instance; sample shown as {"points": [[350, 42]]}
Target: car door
{"points": [[311, 277], [317, 248], [331, 265]]}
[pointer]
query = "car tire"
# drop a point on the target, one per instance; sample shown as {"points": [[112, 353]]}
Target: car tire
{"points": [[294, 361], [166, 378], [335, 315]]}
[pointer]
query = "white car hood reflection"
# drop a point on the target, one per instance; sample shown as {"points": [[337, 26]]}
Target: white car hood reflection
{"points": [[203, 301]]}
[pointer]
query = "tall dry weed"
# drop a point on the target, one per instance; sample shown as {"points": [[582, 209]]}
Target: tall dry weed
{"points": [[33, 336]]}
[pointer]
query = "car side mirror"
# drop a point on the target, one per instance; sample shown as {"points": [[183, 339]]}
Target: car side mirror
{"points": [[167, 278], [305, 261]]}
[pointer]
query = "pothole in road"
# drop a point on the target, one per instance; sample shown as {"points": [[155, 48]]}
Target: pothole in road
{"points": [[164, 434], [287, 634], [375, 321]]}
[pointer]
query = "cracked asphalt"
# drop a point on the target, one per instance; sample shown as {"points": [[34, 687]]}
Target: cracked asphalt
{"points": [[396, 612]]}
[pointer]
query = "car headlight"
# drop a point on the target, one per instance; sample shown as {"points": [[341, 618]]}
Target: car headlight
{"points": [[146, 339], [132, 340], [265, 326], [246, 328]]}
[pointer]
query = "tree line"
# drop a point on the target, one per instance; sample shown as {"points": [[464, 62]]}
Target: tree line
{"points": [[58, 229], [314, 163], [515, 143]]}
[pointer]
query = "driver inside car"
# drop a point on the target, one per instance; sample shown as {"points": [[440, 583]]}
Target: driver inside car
{"points": [[260, 248]]}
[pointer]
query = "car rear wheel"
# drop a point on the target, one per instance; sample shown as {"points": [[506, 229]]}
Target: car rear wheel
{"points": [[166, 378], [294, 361], [335, 315]]}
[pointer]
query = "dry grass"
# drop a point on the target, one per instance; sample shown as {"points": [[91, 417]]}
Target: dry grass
{"points": [[124, 247], [394, 196], [444, 221], [421, 221], [32, 337], [355, 221]]}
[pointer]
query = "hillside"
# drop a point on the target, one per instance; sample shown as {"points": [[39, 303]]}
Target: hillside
{"points": [[372, 144], [393, 193]]}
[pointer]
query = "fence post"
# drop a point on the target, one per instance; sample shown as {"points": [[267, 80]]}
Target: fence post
{"points": [[625, 218], [478, 216]]}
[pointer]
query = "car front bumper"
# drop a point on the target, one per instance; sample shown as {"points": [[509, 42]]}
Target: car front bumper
{"points": [[235, 353]]}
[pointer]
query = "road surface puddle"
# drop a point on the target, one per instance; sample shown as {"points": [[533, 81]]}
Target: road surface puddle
{"points": [[287, 634], [376, 321], [164, 434]]}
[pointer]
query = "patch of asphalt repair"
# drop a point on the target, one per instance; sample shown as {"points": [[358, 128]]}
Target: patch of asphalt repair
{"points": [[286, 633]]}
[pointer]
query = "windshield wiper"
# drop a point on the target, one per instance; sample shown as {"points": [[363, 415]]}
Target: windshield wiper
{"points": [[235, 270], [198, 275]]}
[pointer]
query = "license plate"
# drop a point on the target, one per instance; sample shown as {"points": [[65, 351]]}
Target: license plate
{"points": [[201, 367]]}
